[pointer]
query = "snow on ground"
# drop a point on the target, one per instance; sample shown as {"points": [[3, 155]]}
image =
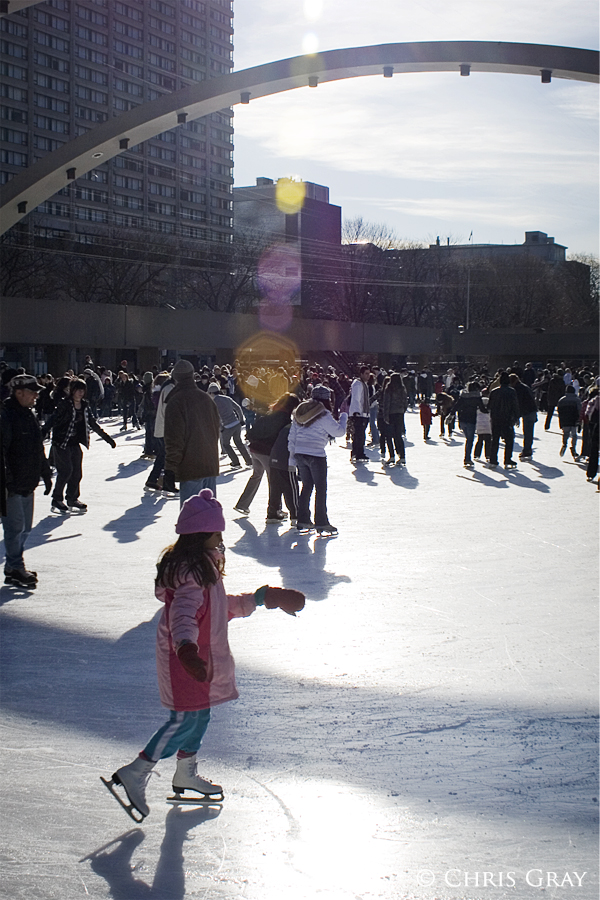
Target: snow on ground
{"points": [[426, 728]]}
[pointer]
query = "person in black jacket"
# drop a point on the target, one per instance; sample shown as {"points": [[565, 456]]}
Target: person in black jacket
{"points": [[504, 413], [527, 411], [466, 406], [24, 463], [71, 427]]}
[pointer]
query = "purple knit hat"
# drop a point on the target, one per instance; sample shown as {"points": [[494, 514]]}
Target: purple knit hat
{"points": [[201, 513]]}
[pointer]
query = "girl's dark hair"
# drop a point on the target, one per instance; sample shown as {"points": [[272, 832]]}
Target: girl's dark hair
{"points": [[77, 384], [286, 403], [187, 557]]}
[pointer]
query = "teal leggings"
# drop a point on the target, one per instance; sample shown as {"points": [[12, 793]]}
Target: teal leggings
{"points": [[183, 731]]}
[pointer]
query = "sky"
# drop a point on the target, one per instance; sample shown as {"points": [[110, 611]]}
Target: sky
{"points": [[429, 154]]}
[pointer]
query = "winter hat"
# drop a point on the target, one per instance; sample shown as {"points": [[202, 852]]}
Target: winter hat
{"points": [[214, 388], [148, 379], [320, 392], [201, 513], [25, 383], [182, 369]]}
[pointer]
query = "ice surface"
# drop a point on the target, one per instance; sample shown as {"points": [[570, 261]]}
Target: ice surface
{"points": [[426, 728]]}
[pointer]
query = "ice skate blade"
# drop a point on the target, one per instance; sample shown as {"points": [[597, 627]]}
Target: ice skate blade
{"points": [[195, 799], [130, 809]]}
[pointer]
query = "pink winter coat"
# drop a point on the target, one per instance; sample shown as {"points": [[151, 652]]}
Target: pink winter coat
{"points": [[200, 615]]}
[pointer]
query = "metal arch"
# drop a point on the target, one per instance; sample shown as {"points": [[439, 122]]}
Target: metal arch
{"points": [[46, 177]]}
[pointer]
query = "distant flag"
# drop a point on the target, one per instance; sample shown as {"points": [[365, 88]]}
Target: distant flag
{"points": [[471, 237]]}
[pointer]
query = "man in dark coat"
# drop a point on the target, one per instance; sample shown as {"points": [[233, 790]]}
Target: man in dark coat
{"points": [[24, 463], [504, 414], [527, 412]]}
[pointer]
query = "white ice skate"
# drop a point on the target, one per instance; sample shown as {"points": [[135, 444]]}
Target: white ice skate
{"points": [[186, 779], [133, 779]]}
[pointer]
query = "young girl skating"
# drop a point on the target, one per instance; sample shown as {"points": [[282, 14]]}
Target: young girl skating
{"points": [[194, 663]]}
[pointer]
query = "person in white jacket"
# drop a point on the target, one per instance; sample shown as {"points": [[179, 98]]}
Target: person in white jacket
{"points": [[312, 426], [360, 403]]}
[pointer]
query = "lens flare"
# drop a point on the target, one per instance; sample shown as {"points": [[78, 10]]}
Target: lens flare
{"points": [[289, 195], [310, 44], [279, 277], [263, 350]]}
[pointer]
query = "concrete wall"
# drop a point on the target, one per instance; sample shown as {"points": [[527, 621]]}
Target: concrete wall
{"points": [[59, 326]]}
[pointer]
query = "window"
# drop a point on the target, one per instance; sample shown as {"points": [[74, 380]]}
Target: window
{"points": [[13, 115], [191, 231], [9, 71], [196, 215], [92, 75], [220, 34], [223, 118], [51, 62], [64, 5], [164, 227], [192, 56], [163, 209], [161, 62], [153, 95], [163, 80], [196, 127], [128, 30], [52, 208], [48, 40], [47, 144], [223, 221], [90, 15], [192, 144], [128, 11], [81, 129], [169, 137], [128, 87], [45, 18], [161, 25], [194, 4], [194, 74], [190, 38], [219, 68], [95, 56], [220, 17], [91, 215], [54, 103], [123, 105], [11, 158], [219, 203], [128, 221], [97, 175], [7, 48], [162, 171], [192, 196], [48, 81], [13, 137], [165, 8], [225, 52], [13, 93], [218, 135], [162, 43], [128, 49], [195, 162], [94, 37], [12, 27], [128, 202], [51, 124], [91, 115], [123, 162], [193, 22], [124, 181], [218, 169], [161, 153], [221, 151], [190, 178], [221, 186], [163, 190], [85, 193], [129, 68], [87, 93]]}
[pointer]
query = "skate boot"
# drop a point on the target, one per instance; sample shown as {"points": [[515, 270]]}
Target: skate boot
{"points": [[59, 506], [327, 529], [133, 779], [77, 506], [186, 779], [20, 578]]}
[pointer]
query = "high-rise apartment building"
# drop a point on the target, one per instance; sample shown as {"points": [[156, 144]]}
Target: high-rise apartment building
{"points": [[67, 65]]}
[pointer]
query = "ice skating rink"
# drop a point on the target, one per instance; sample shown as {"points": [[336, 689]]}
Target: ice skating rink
{"points": [[425, 729]]}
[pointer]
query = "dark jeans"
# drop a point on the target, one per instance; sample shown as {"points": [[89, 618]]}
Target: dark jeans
{"points": [[68, 461], [313, 474], [17, 525], [468, 429], [529, 420], [234, 433], [394, 431], [149, 437], [282, 483], [507, 433], [159, 460], [358, 438], [483, 443], [129, 410]]}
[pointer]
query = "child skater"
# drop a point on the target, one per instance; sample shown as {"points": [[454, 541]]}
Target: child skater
{"points": [[195, 667], [426, 415]]}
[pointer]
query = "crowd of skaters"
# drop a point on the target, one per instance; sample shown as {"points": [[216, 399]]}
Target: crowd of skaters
{"points": [[276, 420]]}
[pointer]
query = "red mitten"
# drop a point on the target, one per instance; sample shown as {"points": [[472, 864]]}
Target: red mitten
{"points": [[191, 662], [289, 601]]}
